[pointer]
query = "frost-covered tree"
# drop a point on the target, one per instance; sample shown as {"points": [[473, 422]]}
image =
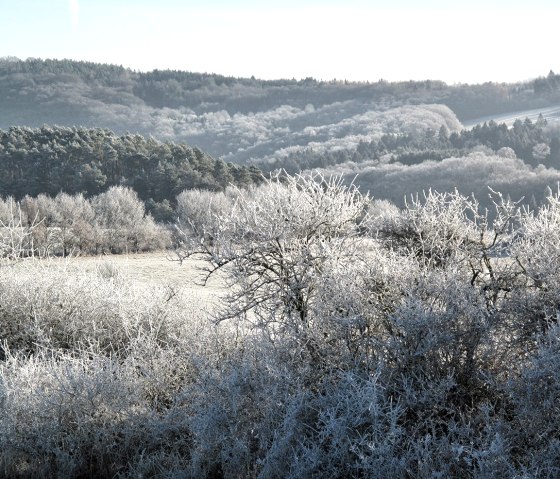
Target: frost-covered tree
{"points": [[16, 231], [122, 222], [197, 211], [275, 244], [75, 219]]}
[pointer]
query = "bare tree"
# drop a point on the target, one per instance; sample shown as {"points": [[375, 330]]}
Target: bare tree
{"points": [[275, 244]]}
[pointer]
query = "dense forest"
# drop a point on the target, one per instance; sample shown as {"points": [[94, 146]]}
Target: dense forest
{"points": [[51, 160]]}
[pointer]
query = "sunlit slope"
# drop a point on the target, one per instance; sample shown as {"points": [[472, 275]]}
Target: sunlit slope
{"points": [[549, 113]]}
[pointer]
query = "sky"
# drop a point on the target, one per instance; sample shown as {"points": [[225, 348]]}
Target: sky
{"points": [[358, 40]]}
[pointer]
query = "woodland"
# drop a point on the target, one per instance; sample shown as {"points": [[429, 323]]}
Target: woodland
{"points": [[389, 280]]}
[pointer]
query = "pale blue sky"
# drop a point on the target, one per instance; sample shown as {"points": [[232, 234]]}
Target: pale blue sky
{"points": [[455, 41]]}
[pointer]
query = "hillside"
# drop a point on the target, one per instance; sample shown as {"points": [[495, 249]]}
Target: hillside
{"points": [[245, 120], [549, 113], [522, 161], [91, 160]]}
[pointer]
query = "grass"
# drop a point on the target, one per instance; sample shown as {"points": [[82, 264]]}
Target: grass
{"points": [[148, 270]]}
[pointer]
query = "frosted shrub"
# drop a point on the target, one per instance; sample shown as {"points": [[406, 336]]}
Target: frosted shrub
{"points": [[349, 428], [59, 308], [56, 218], [232, 431], [120, 217], [408, 318], [70, 413], [91, 371], [378, 212], [7, 206], [537, 248], [265, 420], [535, 399], [435, 229], [75, 417], [355, 300]]}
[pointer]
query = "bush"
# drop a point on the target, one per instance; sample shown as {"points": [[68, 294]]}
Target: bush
{"points": [[114, 221], [417, 343]]}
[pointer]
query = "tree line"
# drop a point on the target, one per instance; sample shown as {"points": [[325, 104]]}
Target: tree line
{"points": [[111, 222], [50, 160], [208, 92], [232, 118], [535, 143]]}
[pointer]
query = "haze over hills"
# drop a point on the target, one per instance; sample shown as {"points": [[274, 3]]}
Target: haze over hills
{"points": [[241, 119], [296, 125]]}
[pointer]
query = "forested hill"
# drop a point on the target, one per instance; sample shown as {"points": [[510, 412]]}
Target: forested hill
{"points": [[81, 160], [242, 120]]}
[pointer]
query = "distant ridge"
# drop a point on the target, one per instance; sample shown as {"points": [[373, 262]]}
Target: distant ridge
{"points": [[240, 120]]}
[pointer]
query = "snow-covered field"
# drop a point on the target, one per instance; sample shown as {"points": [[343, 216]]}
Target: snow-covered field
{"points": [[151, 271]]}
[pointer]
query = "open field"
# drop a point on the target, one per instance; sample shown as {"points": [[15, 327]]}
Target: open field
{"points": [[149, 271], [159, 268]]}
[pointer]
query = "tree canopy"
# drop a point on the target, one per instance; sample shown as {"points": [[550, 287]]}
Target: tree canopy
{"points": [[74, 160]]}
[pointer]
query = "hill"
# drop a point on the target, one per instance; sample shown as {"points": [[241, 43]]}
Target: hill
{"points": [[243, 120], [90, 160]]}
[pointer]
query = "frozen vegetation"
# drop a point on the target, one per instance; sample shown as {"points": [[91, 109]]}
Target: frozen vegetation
{"points": [[353, 339], [408, 333], [470, 174]]}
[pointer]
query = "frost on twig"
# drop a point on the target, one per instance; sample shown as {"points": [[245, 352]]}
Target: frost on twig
{"points": [[16, 233]]}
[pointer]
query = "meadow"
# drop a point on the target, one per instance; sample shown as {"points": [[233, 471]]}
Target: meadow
{"points": [[147, 270]]}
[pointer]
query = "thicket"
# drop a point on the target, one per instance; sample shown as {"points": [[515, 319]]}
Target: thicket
{"points": [[112, 222], [355, 340]]}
